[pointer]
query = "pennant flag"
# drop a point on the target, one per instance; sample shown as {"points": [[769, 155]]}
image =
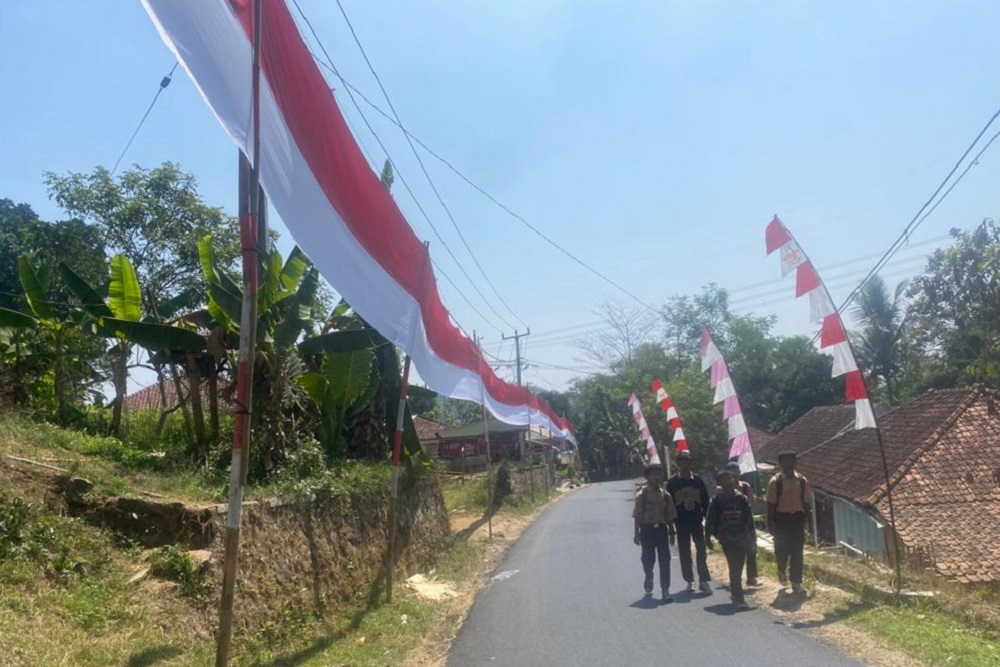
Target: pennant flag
{"points": [[833, 336], [667, 405], [652, 456], [327, 195], [725, 393]]}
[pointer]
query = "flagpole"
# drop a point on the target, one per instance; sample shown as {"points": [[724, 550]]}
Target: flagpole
{"points": [[878, 432], [250, 203], [486, 436], [397, 439]]}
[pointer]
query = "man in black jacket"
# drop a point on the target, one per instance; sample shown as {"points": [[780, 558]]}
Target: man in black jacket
{"points": [[691, 500], [730, 519]]}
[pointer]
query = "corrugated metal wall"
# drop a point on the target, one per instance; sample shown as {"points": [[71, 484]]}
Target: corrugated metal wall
{"points": [[859, 528]]}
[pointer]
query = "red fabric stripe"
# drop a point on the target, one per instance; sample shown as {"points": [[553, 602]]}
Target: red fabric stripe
{"points": [[355, 192], [806, 279], [776, 235], [657, 385], [833, 331], [855, 386], [675, 423], [667, 403], [682, 445]]}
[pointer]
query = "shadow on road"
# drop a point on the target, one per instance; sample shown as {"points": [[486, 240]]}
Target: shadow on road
{"points": [[151, 656], [300, 657], [725, 609], [647, 602]]}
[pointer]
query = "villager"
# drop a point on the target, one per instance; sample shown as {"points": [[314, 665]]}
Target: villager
{"points": [[789, 501], [654, 516], [730, 520], [690, 496]]}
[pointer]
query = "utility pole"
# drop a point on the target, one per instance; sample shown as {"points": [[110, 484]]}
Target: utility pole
{"points": [[517, 347]]}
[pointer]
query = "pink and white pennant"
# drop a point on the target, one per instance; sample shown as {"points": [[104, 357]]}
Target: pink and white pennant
{"points": [[712, 360], [833, 336], [652, 456], [667, 405]]}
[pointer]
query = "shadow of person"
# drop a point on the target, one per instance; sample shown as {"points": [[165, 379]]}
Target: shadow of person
{"points": [[646, 602], [725, 609], [788, 601], [153, 655]]}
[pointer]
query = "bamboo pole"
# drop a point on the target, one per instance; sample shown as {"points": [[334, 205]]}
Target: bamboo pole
{"points": [[250, 203], [486, 436], [397, 439]]}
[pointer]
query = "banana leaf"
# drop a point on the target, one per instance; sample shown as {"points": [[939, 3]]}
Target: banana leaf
{"points": [[155, 337], [93, 302], [34, 284], [124, 296], [16, 319]]}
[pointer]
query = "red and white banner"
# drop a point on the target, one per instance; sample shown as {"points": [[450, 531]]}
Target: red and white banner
{"points": [[652, 455], [833, 336], [327, 195], [667, 405], [725, 393]]}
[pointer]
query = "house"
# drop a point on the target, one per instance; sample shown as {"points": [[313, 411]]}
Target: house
{"points": [[148, 398], [942, 451], [428, 432], [816, 426], [507, 441]]}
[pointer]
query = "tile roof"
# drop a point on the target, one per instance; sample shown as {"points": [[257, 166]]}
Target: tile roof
{"points": [[759, 438], [427, 429], [814, 427], [148, 398], [943, 455]]}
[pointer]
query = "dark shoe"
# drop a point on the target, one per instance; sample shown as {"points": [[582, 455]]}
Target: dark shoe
{"points": [[705, 587], [753, 582], [667, 598], [690, 587], [742, 605]]}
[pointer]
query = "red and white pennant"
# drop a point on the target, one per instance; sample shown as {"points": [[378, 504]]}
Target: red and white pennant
{"points": [[667, 404], [652, 456], [833, 336]]}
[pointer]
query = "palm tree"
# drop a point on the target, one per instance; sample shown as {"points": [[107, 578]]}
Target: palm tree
{"points": [[881, 344]]}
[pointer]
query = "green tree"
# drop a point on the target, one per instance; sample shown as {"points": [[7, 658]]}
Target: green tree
{"points": [[955, 310], [156, 218], [881, 344]]}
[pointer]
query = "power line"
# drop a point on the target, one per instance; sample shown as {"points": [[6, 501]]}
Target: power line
{"points": [[423, 168], [480, 190], [164, 82], [915, 222], [406, 185]]}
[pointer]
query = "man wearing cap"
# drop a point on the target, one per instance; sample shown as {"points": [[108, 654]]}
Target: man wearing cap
{"points": [[789, 501], [690, 496], [747, 490], [654, 516]]}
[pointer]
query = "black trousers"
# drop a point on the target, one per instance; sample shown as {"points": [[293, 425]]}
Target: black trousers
{"points": [[789, 540], [736, 554], [655, 543], [752, 559], [686, 535]]}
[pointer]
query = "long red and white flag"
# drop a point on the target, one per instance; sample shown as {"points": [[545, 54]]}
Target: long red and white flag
{"points": [[327, 195], [725, 392], [667, 405], [833, 336], [652, 455]]}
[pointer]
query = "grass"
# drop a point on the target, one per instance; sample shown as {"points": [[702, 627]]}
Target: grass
{"points": [[930, 636]]}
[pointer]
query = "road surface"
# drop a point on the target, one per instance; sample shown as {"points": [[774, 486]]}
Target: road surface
{"points": [[569, 593]]}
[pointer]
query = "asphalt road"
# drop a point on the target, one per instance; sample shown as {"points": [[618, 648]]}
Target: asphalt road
{"points": [[570, 593]]}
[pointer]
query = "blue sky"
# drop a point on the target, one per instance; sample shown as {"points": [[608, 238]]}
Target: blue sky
{"points": [[653, 139]]}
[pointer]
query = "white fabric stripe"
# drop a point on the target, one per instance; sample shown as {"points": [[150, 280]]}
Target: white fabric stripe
{"points": [[791, 257], [678, 435], [710, 355], [843, 359], [672, 413], [661, 395], [212, 47], [747, 461], [820, 305], [863, 415], [724, 390], [736, 426]]}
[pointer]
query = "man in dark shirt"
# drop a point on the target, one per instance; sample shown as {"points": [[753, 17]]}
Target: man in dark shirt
{"points": [[730, 519], [691, 499], [654, 518]]}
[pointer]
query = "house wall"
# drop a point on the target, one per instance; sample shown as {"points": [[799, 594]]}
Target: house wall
{"points": [[856, 526]]}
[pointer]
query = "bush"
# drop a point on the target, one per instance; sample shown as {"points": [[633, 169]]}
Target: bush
{"points": [[176, 565], [504, 484]]}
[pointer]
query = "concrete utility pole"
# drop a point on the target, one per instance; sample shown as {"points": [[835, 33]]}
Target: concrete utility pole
{"points": [[517, 347]]}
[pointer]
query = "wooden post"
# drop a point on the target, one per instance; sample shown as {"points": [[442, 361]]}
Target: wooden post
{"points": [[486, 437], [249, 208]]}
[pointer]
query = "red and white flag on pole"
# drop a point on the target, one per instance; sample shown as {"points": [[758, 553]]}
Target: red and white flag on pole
{"points": [[833, 336], [725, 393], [652, 455], [667, 405], [329, 197]]}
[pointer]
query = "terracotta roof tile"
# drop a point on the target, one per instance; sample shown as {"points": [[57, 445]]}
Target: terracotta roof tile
{"points": [[813, 428], [148, 398], [427, 429]]}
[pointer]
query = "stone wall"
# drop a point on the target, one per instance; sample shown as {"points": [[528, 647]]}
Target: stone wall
{"points": [[528, 482]]}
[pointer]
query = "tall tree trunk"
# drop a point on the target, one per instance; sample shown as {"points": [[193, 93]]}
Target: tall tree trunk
{"points": [[161, 382], [119, 375], [213, 401], [60, 379], [188, 432]]}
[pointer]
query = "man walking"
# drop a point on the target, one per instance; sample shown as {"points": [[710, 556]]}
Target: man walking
{"points": [[654, 517], [730, 520], [691, 499], [747, 490], [789, 501]]}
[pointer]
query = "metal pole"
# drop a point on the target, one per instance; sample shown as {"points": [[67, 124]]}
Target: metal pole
{"points": [[249, 209], [486, 436]]}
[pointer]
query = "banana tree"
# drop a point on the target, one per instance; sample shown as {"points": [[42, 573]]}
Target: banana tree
{"points": [[345, 380], [45, 318], [119, 316]]}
